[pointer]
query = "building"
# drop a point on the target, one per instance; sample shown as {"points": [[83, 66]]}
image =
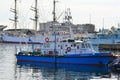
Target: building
{"points": [[77, 29]]}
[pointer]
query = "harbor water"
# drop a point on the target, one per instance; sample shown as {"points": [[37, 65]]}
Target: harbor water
{"points": [[10, 69]]}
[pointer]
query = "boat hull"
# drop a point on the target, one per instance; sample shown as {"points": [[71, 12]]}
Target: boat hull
{"points": [[90, 60], [29, 39], [17, 42]]}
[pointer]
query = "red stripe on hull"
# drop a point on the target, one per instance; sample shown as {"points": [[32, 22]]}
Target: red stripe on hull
{"points": [[20, 42]]}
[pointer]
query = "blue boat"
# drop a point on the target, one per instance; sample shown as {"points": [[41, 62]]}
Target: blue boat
{"points": [[115, 65], [70, 52]]}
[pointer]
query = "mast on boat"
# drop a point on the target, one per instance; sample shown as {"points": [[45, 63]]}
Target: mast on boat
{"points": [[35, 9], [15, 15], [54, 15]]}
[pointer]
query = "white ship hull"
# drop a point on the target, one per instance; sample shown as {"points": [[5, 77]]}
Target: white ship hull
{"points": [[104, 41], [30, 39]]}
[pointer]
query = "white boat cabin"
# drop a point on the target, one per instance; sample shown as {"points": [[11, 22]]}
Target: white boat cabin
{"points": [[67, 47]]}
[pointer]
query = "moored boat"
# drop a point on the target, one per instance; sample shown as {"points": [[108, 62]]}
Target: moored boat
{"points": [[28, 36], [115, 65], [106, 37], [30, 39]]}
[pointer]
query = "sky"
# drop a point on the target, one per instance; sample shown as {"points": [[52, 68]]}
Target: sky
{"points": [[101, 13]]}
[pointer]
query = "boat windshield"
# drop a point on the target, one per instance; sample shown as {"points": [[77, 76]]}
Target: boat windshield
{"points": [[82, 45], [88, 45], [85, 45]]}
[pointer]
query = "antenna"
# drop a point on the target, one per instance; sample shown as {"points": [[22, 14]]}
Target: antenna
{"points": [[103, 26], [103, 23], [90, 18], [68, 19], [68, 16]]}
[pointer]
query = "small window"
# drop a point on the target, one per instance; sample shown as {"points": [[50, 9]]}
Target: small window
{"points": [[83, 46], [74, 45], [77, 46], [89, 45], [61, 47]]}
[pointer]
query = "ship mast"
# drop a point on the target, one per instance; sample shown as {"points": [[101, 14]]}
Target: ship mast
{"points": [[15, 15], [54, 14], [35, 9], [15, 18], [36, 15]]}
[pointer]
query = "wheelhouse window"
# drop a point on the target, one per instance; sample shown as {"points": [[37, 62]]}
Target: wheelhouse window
{"points": [[82, 45], [61, 47], [77, 46], [74, 45], [88, 46]]}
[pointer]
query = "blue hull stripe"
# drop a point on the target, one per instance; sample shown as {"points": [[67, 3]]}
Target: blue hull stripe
{"points": [[76, 64], [81, 60]]}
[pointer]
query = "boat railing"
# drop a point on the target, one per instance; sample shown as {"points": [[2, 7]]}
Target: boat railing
{"points": [[57, 51], [65, 51]]}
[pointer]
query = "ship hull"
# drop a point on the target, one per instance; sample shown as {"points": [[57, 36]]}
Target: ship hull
{"points": [[104, 41], [29, 39], [17, 42], [89, 60]]}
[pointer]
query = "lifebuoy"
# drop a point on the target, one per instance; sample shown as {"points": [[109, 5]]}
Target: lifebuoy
{"points": [[47, 39], [68, 49]]}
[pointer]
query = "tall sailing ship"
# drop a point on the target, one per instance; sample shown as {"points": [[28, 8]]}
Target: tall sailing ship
{"points": [[28, 36]]}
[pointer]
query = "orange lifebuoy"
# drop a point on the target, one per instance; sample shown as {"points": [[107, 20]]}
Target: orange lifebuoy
{"points": [[47, 39], [68, 49]]}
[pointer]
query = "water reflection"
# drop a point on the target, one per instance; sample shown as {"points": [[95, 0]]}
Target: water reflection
{"points": [[66, 72]]}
